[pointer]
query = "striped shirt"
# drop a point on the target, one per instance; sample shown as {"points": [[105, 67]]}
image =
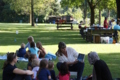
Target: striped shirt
{"points": [[71, 53]]}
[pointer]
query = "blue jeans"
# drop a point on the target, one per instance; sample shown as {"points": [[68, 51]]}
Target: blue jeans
{"points": [[22, 77], [78, 67]]}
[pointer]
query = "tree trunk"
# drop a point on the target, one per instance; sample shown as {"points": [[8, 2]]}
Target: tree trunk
{"points": [[85, 11], [99, 17], [32, 13], [108, 14], [30, 18], [92, 19], [118, 8]]}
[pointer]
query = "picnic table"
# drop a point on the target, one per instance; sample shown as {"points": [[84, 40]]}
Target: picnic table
{"points": [[66, 24], [101, 32]]}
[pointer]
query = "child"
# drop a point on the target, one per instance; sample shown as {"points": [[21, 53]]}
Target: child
{"points": [[64, 74], [43, 73], [42, 50], [34, 50], [52, 72], [30, 39], [21, 52], [35, 64], [31, 57]]}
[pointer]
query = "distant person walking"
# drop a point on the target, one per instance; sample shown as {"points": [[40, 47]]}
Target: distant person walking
{"points": [[36, 21], [105, 23]]}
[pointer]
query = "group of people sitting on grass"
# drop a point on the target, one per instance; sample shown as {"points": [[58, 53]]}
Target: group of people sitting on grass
{"points": [[44, 69]]}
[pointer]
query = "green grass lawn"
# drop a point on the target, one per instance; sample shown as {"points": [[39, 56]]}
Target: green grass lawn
{"points": [[50, 37]]}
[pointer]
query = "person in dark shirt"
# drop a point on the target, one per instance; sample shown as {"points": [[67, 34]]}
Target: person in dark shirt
{"points": [[52, 72], [43, 73], [11, 72], [22, 51], [100, 69]]}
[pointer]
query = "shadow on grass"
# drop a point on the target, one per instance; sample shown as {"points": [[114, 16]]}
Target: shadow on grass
{"points": [[46, 37]]}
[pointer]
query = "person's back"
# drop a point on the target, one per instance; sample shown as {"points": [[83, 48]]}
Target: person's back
{"points": [[105, 23], [52, 72], [64, 77], [102, 70], [34, 51], [21, 52], [43, 74]]}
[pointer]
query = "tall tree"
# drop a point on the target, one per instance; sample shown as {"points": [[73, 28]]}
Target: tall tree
{"points": [[118, 8], [28, 7]]}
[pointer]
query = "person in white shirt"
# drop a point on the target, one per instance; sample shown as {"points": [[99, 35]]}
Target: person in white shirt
{"points": [[30, 39], [35, 64], [69, 55]]}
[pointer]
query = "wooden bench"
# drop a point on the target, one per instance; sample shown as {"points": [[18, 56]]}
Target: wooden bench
{"points": [[64, 25]]}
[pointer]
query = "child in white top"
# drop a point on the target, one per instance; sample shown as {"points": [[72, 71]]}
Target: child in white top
{"points": [[30, 39], [35, 64]]}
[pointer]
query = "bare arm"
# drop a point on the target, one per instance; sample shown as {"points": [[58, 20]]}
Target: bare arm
{"points": [[22, 72], [49, 77]]}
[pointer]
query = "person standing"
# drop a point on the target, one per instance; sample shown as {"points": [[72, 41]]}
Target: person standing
{"points": [[105, 23], [111, 23], [36, 21]]}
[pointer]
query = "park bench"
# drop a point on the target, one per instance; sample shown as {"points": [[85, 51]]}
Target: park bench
{"points": [[62, 25]]}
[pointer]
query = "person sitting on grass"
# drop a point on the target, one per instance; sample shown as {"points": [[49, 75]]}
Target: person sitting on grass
{"points": [[43, 73], [21, 52], [31, 58], [64, 73], [69, 55], [35, 64], [34, 50], [30, 39], [11, 72], [100, 68], [52, 72], [42, 50]]}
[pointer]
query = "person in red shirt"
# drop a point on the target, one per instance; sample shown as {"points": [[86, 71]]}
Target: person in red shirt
{"points": [[64, 73], [105, 23]]}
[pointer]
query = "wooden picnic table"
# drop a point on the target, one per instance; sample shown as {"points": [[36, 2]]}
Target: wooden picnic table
{"points": [[101, 32], [64, 25]]}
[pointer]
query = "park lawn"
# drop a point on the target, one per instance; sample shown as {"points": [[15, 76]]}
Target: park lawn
{"points": [[50, 37]]}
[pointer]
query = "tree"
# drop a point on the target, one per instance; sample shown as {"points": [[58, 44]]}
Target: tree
{"points": [[28, 7], [118, 8]]}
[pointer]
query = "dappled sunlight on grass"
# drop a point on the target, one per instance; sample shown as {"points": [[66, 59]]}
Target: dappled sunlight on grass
{"points": [[50, 37]]}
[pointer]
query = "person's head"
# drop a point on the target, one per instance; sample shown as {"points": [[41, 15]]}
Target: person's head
{"points": [[61, 48], [43, 64], [106, 18], [64, 69], [11, 58], [30, 39], [31, 57], [35, 62], [118, 21], [39, 45], [22, 45], [81, 22], [50, 65], [112, 20], [93, 57], [32, 45]]}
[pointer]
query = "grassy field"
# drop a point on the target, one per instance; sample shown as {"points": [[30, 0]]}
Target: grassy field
{"points": [[50, 37]]}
